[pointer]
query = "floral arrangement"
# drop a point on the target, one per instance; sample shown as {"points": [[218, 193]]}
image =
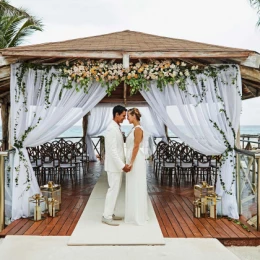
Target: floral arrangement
{"points": [[137, 75]]}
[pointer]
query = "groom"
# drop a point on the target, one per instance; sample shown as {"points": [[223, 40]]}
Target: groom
{"points": [[114, 164]]}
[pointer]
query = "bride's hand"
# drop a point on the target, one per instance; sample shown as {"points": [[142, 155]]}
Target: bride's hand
{"points": [[130, 166]]}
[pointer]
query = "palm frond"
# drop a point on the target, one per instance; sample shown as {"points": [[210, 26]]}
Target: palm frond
{"points": [[25, 29], [7, 9]]}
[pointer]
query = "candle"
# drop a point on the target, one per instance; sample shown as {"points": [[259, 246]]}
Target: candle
{"points": [[37, 213], [198, 213], [203, 206], [212, 211], [52, 209]]}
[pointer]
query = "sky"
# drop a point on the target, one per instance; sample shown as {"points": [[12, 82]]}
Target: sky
{"points": [[229, 23]]}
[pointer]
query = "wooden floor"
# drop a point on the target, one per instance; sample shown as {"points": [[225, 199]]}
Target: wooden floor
{"points": [[172, 205]]}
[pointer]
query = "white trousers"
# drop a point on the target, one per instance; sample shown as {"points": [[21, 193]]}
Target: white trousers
{"points": [[114, 182]]}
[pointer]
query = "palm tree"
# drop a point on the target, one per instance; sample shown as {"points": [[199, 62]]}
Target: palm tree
{"points": [[256, 5], [15, 25]]}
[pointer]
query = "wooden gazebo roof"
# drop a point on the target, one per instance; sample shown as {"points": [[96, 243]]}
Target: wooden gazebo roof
{"points": [[136, 45]]}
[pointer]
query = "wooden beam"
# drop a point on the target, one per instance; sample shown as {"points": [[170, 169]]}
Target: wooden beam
{"points": [[119, 54], [252, 61], [5, 72], [7, 60], [250, 73], [248, 82], [5, 117]]}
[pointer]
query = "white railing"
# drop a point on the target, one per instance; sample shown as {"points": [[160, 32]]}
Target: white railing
{"points": [[248, 183]]}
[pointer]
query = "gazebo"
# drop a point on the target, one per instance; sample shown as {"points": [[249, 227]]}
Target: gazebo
{"points": [[127, 47]]}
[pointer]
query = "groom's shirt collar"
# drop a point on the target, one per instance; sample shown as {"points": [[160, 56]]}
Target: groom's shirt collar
{"points": [[116, 124]]}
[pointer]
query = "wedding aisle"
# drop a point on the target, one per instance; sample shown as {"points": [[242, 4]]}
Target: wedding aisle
{"points": [[91, 231]]}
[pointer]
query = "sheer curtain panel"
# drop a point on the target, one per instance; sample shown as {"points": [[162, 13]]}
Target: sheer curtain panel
{"points": [[39, 113]]}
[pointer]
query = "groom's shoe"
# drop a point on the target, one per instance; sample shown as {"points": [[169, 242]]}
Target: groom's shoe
{"points": [[116, 217], [109, 222]]}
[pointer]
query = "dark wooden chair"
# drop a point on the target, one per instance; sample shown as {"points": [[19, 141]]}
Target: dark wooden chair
{"points": [[158, 157], [168, 165], [50, 163], [185, 165], [35, 160], [67, 166], [202, 167]]}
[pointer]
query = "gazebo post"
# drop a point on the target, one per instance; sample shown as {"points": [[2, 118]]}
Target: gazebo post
{"points": [[166, 131], [85, 127], [5, 116]]}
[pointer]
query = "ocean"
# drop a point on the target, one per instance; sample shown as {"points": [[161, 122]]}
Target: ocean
{"points": [[76, 130]]}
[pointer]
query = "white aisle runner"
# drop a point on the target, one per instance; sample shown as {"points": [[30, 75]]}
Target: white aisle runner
{"points": [[91, 231]]}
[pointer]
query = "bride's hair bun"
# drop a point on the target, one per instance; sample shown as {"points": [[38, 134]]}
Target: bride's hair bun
{"points": [[135, 111]]}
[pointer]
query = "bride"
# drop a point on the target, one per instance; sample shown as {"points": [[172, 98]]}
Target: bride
{"points": [[136, 186]]}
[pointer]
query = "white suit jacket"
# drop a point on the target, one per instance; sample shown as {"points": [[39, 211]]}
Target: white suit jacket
{"points": [[114, 148]]}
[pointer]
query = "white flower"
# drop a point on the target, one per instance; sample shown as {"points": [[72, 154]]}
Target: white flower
{"points": [[81, 68], [60, 70], [181, 74], [138, 65], [172, 66], [178, 81], [76, 69], [69, 78], [67, 63], [174, 73], [166, 74], [183, 64], [187, 73]]}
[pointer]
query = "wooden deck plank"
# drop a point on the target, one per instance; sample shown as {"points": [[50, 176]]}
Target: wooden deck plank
{"points": [[73, 225], [24, 228], [63, 231], [176, 206], [179, 226], [163, 229], [63, 218], [18, 226], [10, 227], [165, 220], [204, 231]]}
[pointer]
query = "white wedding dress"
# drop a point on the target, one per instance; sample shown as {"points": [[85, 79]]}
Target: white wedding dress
{"points": [[136, 195]]}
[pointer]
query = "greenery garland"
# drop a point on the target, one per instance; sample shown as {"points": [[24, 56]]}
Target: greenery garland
{"points": [[80, 74]]}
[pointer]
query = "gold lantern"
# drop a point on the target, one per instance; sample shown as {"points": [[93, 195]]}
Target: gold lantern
{"points": [[52, 191], [202, 190], [214, 206], [36, 202]]}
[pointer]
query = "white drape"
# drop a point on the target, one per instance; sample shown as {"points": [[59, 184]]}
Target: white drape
{"points": [[199, 132], [59, 115], [98, 120]]}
